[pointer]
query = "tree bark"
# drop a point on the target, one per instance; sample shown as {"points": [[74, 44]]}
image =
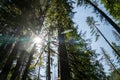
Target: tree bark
{"points": [[18, 65], [25, 72], [4, 53], [8, 64], [64, 66], [48, 58]]}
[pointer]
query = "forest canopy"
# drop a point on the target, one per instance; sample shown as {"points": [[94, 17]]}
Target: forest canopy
{"points": [[39, 40]]}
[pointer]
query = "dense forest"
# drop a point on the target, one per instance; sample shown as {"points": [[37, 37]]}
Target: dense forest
{"points": [[39, 40]]}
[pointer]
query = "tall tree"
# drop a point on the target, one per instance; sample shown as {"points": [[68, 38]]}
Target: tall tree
{"points": [[75, 61], [91, 22], [19, 17], [116, 27], [18, 65], [8, 64], [109, 61], [59, 15], [82, 60], [48, 58], [30, 57]]}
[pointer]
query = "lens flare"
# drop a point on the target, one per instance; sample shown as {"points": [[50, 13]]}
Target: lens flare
{"points": [[37, 40]]}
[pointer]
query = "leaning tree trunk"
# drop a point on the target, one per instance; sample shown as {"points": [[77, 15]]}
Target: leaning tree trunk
{"points": [[25, 72], [4, 51], [108, 59], [64, 66], [8, 64], [116, 27], [108, 42], [18, 65]]}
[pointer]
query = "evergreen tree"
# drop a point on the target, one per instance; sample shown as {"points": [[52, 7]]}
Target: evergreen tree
{"points": [[115, 26]]}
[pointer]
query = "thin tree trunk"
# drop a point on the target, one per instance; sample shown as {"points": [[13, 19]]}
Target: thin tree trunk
{"points": [[108, 42], [64, 66], [39, 73], [16, 69], [8, 64], [25, 72], [116, 27], [59, 67], [48, 58], [107, 57]]}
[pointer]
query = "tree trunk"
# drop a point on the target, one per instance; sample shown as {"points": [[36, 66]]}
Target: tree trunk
{"points": [[108, 42], [8, 64], [25, 72], [64, 66], [17, 67], [59, 67], [108, 59], [48, 58], [39, 73], [116, 27], [4, 53]]}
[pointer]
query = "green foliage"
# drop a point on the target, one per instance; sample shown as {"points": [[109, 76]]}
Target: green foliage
{"points": [[113, 8], [84, 66], [80, 56], [22, 15], [114, 76], [18, 20], [30, 16], [109, 61], [92, 24], [82, 61]]}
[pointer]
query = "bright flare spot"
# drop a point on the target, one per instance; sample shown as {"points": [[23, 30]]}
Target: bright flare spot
{"points": [[37, 40]]}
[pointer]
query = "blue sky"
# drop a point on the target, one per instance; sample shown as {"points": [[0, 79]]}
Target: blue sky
{"points": [[80, 19]]}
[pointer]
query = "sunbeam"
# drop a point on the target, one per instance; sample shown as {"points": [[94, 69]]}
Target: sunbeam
{"points": [[37, 40]]}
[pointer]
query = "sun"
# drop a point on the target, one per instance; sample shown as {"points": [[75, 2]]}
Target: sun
{"points": [[37, 40]]}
